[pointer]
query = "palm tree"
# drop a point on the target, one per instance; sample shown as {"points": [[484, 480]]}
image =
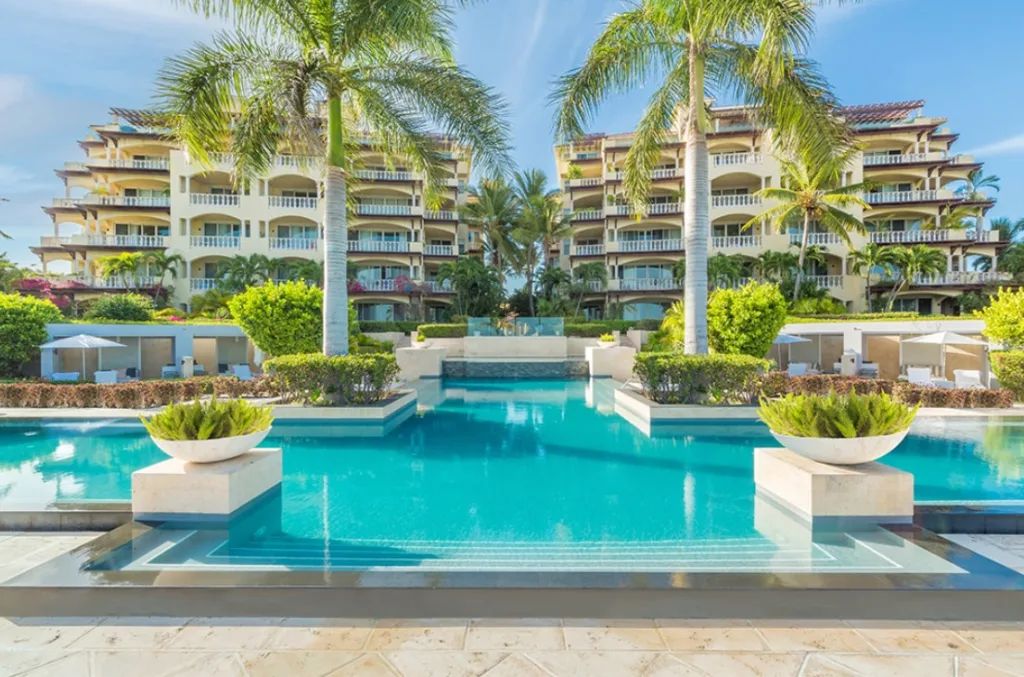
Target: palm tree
{"points": [[308, 270], [679, 269], [552, 279], [493, 208], [724, 271], [911, 262], [1009, 231], [748, 50], [976, 181], [125, 266], [813, 193], [160, 265], [240, 272], [585, 278], [477, 289], [377, 67], [869, 259], [773, 266], [540, 224]]}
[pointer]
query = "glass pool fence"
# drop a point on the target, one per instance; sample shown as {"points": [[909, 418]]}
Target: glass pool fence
{"points": [[516, 326]]}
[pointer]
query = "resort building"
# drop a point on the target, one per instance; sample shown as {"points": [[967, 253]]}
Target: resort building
{"points": [[918, 197], [137, 191]]}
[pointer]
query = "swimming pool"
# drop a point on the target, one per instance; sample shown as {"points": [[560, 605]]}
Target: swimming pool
{"points": [[545, 464]]}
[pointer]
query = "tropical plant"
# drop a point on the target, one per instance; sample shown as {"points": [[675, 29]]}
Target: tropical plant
{"points": [[281, 319], [606, 338], [775, 265], [910, 262], [383, 71], [125, 266], [977, 181], [745, 321], [213, 420], [818, 306], [724, 270], [836, 416], [493, 208], [213, 304], [478, 292], [870, 259], [673, 325], [121, 308], [814, 193], [305, 269], [585, 278], [23, 321], [554, 280], [750, 50], [1008, 366], [1009, 230], [11, 274], [241, 272], [1004, 319], [542, 222], [573, 171], [162, 264], [970, 303]]}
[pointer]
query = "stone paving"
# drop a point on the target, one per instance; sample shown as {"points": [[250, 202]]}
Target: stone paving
{"points": [[286, 647]]}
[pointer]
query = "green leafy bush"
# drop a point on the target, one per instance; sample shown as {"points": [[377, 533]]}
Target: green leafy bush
{"points": [[443, 330], [371, 327], [607, 338], [338, 381], [672, 378], [281, 319], [121, 308], [420, 338], [23, 321], [823, 384], [213, 420], [1004, 319], [836, 416], [1008, 366], [745, 321], [365, 344], [646, 325], [587, 330]]}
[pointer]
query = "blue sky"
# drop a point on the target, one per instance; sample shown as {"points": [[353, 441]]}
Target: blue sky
{"points": [[63, 63]]}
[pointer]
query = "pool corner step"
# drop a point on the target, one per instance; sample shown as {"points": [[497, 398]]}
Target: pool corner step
{"points": [[69, 516]]}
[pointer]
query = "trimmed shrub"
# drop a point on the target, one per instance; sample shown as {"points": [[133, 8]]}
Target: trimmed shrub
{"points": [[672, 378], [773, 384], [822, 384], [588, 330], [647, 325], [23, 321], [134, 395], [1004, 319], [974, 398], [745, 321], [281, 319], [849, 317], [338, 381], [370, 327], [443, 330], [121, 308], [1008, 366], [367, 345]]}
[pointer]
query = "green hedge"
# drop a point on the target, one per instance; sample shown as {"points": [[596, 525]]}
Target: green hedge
{"points": [[444, 330], [1008, 366], [588, 330], [960, 398], [381, 327], [859, 317], [672, 378], [132, 395], [337, 381]]}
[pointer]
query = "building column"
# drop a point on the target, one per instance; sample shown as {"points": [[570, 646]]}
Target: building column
{"points": [[188, 184], [927, 145], [46, 363]]}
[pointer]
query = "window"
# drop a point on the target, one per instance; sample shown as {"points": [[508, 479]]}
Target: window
{"points": [[731, 191], [221, 229], [728, 229], [911, 305], [646, 272], [299, 193], [643, 311], [211, 270], [297, 232], [220, 190]]}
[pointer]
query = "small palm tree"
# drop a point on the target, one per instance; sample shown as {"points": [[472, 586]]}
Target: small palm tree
{"points": [[1009, 231], [377, 67], [240, 272], [585, 278], [814, 195], [552, 280], [911, 262], [161, 265], [125, 266], [977, 181], [493, 208], [540, 224], [868, 260], [724, 271], [749, 50], [305, 269], [774, 266]]}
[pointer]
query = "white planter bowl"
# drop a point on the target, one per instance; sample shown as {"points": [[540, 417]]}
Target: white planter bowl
{"points": [[420, 344], [842, 451], [605, 344], [211, 451]]}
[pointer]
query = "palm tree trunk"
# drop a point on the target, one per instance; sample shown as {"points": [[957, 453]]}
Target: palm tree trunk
{"points": [[867, 288], [803, 253], [335, 319], [696, 214]]}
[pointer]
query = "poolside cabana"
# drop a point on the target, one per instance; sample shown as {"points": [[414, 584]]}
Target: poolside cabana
{"points": [[941, 340], [83, 342]]}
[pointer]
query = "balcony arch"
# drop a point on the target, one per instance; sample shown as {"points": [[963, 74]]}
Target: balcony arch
{"points": [[215, 231], [290, 184]]}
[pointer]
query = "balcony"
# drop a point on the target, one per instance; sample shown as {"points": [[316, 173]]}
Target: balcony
{"points": [[588, 215], [586, 155], [126, 241], [956, 279], [128, 201], [733, 284], [214, 199], [438, 250], [642, 246], [656, 174], [588, 250], [67, 202], [50, 241], [372, 209], [383, 175], [826, 281], [297, 161], [584, 183], [295, 244], [926, 236], [904, 196], [162, 164], [815, 239], [735, 200], [730, 159], [644, 284], [215, 242], [652, 209], [291, 202], [435, 287], [379, 246], [441, 215], [203, 283], [387, 285], [902, 159], [115, 282], [75, 167], [737, 242]]}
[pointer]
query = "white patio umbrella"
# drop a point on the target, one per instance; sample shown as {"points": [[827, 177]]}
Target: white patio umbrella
{"points": [[83, 342], [786, 340], [943, 338]]}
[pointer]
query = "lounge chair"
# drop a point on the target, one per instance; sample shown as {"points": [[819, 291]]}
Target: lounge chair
{"points": [[131, 373], [797, 369], [242, 372], [105, 377], [967, 378], [222, 368], [920, 376], [170, 371], [64, 376]]}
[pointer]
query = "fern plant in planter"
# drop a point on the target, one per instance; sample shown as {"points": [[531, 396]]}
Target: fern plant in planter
{"points": [[606, 340], [838, 429], [207, 432]]}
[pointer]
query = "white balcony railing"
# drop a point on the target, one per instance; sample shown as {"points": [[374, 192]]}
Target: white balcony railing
{"points": [[736, 242], [731, 284], [302, 244], [438, 250], [213, 199], [435, 287], [162, 164], [729, 159], [588, 250], [216, 241], [663, 208], [53, 241], [735, 200], [900, 196], [583, 183], [665, 173], [587, 155], [387, 246], [383, 175], [67, 202], [818, 239], [384, 209], [115, 282], [128, 201], [291, 202], [75, 167], [587, 215], [296, 160], [666, 245], [440, 215], [644, 284], [961, 278], [902, 159], [203, 283], [919, 236], [826, 281], [377, 285], [148, 241]]}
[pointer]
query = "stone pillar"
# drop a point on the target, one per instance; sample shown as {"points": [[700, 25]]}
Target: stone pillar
{"points": [[46, 358], [183, 344]]}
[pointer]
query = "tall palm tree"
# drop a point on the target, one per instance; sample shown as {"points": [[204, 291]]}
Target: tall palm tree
{"points": [[125, 266], [493, 208], [748, 50], [814, 192], [377, 67], [161, 265], [912, 261], [869, 259], [541, 223], [585, 277], [1009, 231], [977, 180]]}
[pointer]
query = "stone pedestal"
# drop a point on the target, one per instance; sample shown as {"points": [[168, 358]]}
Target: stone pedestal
{"points": [[420, 362], [616, 362], [843, 495], [174, 489]]}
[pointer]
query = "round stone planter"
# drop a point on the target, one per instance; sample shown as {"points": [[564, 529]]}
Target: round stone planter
{"points": [[842, 451], [211, 451], [605, 344], [420, 344]]}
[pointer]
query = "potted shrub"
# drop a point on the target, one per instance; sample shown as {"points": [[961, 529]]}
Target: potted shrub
{"points": [[838, 429], [606, 340], [420, 341], [207, 432]]}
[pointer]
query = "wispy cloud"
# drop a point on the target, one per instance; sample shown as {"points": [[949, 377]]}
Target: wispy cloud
{"points": [[1013, 145], [13, 89], [15, 181], [518, 79]]}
